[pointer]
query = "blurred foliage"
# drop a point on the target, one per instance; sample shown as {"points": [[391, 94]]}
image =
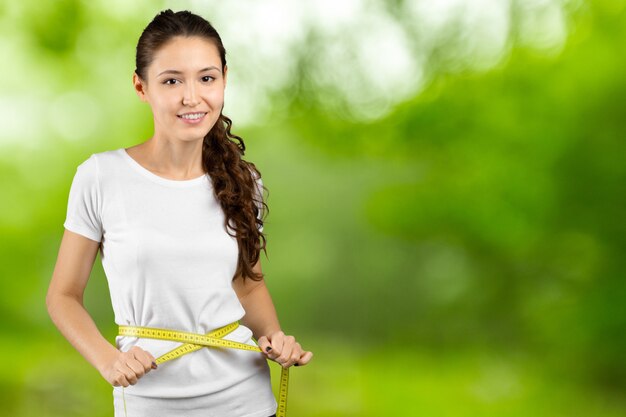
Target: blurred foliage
{"points": [[467, 246]]}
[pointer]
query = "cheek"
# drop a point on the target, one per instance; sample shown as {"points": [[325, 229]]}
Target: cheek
{"points": [[216, 97], [168, 108]]}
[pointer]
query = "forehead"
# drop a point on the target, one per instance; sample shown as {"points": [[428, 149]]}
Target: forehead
{"points": [[186, 54]]}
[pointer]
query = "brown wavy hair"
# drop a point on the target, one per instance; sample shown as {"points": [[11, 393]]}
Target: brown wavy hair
{"points": [[234, 180]]}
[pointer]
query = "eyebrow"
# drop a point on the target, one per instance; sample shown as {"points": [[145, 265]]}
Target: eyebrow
{"points": [[170, 71]]}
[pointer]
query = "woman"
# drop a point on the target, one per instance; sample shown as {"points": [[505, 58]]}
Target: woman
{"points": [[177, 220]]}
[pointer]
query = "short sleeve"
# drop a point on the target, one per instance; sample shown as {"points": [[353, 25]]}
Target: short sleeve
{"points": [[259, 198], [84, 202]]}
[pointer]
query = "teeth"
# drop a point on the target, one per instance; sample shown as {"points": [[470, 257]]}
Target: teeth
{"points": [[192, 116]]}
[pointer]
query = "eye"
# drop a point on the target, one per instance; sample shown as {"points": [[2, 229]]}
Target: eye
{"points": [[167, 81], [208, 76]]}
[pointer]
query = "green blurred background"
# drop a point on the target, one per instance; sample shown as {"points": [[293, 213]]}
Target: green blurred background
{"points": [[446, 190]]}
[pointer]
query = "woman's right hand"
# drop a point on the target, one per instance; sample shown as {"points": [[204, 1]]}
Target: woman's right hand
{"points": [[127, 367]]}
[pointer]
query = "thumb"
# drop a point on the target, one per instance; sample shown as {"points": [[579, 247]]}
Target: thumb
{"points": [[264, 344]]}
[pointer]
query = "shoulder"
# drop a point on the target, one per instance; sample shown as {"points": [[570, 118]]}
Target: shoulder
{"points": [[99, 170], [87, 170], [95, 159], [105, 158], [101, 162]]}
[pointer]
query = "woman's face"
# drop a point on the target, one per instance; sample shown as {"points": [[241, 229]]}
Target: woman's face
{"points": [[185, 77]]}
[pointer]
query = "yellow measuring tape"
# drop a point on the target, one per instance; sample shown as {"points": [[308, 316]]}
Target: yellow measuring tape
{"points": [[196, 341]]}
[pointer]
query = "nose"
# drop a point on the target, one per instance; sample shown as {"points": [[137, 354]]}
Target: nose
{"points": [[190, 97]]}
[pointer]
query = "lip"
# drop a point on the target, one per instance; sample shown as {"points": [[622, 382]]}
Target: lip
{"points": [[189, 121]]}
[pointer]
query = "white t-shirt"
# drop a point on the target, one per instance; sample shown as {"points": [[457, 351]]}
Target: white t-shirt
{"points": [[169, 263]]}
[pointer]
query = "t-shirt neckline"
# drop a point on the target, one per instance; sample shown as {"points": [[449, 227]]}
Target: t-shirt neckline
{"points": [[157, 178]]}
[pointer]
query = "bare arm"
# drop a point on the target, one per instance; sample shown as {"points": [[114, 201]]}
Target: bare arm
{"points": [[262, 319], [255, 298], [64, 302], [65, 299]]}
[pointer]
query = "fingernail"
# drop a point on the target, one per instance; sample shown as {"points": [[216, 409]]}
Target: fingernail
{"points": [[267, 349], [154, 365]]}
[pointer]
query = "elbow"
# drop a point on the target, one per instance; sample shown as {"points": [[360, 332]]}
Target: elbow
{"points": [[54, 299], [51, 299]]}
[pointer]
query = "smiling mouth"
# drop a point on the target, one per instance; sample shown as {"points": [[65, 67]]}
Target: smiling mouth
{"points": [[191, 116]]}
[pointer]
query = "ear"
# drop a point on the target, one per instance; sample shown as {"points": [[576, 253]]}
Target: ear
{"points": [[139, 87], [225, 74]]}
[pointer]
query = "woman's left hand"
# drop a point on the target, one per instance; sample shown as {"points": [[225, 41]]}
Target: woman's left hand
{"points": [[284, 349]]}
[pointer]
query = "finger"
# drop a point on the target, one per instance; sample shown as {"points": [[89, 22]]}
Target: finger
{"points": [[144, 357], [296, 352], [295, 356], [127, 375], [264, 344], [130, 370], [305, 358], [131, 377], [289, 343], [148, 361], [121, 381], [276, 345], [137, 367], [152, 360]]}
